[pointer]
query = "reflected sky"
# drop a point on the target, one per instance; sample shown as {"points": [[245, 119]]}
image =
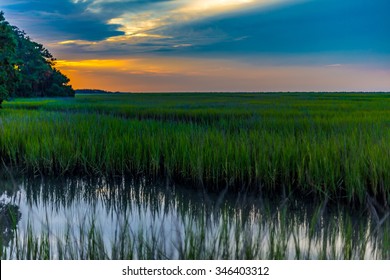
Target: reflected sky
{"points": [[171, 215]]}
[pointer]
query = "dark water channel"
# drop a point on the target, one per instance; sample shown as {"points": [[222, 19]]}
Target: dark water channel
{"points": [[127, 218]]}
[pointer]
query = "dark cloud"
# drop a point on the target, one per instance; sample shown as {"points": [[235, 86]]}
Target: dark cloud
{"points": [[61, 19], [114, 9], [66, 20], [356, 27]]}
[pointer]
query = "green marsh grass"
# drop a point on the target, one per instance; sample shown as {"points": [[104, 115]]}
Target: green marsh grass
{"points": [[326, 145]]}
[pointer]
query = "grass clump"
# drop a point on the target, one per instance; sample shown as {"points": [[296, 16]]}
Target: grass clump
{"points": [[327, 145]]}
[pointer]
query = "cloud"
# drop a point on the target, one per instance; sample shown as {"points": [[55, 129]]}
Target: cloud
{"points": [[59, 20], [113, 8], [114, 23], [334, 65], [189, 74], [219, 28], [159, 19], [249, 27], [318, 26]]}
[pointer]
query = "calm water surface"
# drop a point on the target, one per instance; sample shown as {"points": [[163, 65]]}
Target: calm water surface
{"points": [[174, 222]]}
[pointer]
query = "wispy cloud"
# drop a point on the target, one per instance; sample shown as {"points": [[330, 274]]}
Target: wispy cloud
{"points": [[334, 65], [160, 19], [59, 20], [220, 44], [209, 26]]}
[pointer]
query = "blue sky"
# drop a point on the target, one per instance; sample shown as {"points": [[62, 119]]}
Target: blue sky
{"points": [[220, 45]]}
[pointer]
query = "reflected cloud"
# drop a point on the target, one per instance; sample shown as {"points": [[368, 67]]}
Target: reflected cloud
{"points": [[127, 213]]}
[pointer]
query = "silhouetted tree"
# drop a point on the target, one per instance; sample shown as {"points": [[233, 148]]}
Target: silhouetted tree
{"points": [[27, 68], [8, 72]]}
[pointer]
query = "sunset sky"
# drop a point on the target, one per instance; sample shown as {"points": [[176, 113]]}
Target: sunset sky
{"points": [[213, 45]]}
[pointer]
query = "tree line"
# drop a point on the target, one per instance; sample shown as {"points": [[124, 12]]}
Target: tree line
{"points": [[26, 67]]}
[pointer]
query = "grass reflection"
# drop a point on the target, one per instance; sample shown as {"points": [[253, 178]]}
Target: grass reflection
{"points": [[127, 218]]}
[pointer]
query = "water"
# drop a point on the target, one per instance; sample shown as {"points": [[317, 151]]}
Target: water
{"points": [[127, 218]]}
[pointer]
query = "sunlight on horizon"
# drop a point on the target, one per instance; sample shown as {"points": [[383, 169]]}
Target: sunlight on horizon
{"points": [[189, 74]]}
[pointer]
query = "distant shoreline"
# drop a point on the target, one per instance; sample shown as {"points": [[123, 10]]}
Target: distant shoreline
{"points": [[99, 91]]}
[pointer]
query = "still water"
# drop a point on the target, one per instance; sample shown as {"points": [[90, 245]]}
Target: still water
{"points": [[126, 218]]}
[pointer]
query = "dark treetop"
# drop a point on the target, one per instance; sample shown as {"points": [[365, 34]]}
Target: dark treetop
{"points": [[26, 67]]}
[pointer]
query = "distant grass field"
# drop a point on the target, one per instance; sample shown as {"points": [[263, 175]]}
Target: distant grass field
{"points": [[334, 145]]}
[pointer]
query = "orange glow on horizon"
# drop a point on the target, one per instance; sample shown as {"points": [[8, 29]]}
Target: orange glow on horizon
{"points": [[93, 63], [174, 74]]}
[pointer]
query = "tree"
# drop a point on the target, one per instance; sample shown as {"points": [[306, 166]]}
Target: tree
{"points": [[26, 67], [8, 72], [36, 68]]}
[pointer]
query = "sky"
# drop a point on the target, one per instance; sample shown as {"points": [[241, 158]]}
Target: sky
{"points": [[213, 45]]}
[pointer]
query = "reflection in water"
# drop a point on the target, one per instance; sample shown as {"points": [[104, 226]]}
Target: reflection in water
{"points": [[9, 213], [9, 218], [126, 218]]}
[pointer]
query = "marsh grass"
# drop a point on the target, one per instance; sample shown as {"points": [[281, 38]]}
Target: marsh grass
{"points": [[324, 145]]}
